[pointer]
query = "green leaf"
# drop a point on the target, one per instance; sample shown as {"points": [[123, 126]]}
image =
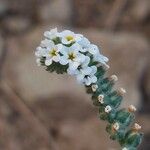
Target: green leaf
{"points": [[57, 67], [111, 116], [103, 116], [124, 117], [105, 85], [100, 72], [133, 138]]}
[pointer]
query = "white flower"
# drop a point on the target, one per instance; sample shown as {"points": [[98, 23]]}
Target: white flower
{"points": [[52, 34], [71, 56], [101, 98], [68, 37], [108, 109], [125, 148], [71, 52], [51, 52], [116, 126], [87, 75], [82, 69]]}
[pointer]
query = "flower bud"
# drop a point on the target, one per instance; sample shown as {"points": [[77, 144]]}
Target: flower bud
{"points": [[116, 126], [121, 91], [94, 87], [101, 98], [137, 127], [108, 109], [113, 78], [132, 108]]}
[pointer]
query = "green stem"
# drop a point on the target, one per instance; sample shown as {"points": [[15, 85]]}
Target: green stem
{"points": [[128, 138]]}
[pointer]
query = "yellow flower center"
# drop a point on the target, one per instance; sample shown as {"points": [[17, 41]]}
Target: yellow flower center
{"points": [[71, 56], [69, 38], [53, 52]]}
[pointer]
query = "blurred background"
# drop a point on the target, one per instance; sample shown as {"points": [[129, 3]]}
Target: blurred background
{"points": [[42, 111]]}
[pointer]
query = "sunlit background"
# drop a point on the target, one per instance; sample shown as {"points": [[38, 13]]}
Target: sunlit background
{"points": [[43, 111]]}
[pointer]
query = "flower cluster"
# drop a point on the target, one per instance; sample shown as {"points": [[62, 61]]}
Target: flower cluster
{"points": [[74, 54], [73, 51]]}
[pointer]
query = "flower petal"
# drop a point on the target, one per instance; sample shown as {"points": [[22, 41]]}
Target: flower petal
{"points": [[80, 58], [102, 57], [48, 62], [93, 79], [71, 72], [86, 61], [65, 41], [80, 77], [47, 43], [40, 52], [87, 81], [73, 65], [86, 70], [51, 34], [63, 60], [59, 47], [94, 69], [56, 58], [66, 33], [93, 49], [38, 62], [75, 47], [85, 43]]}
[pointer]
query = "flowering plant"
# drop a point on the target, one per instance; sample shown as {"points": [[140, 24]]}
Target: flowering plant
{"points": [[67, 52]]}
